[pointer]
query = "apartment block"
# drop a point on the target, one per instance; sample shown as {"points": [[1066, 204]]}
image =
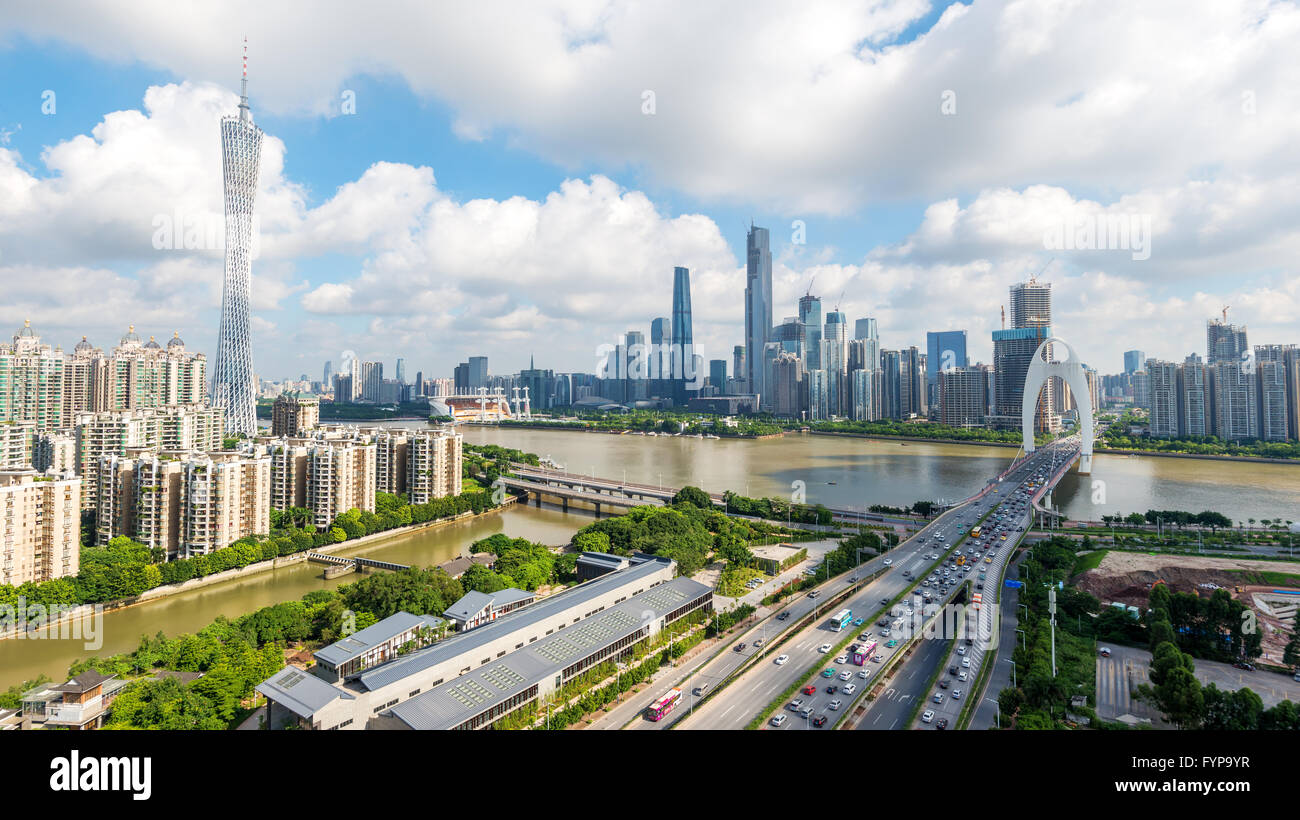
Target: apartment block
{"points": [[40, 526], [433, 465], [341, 477], [293, 414]]}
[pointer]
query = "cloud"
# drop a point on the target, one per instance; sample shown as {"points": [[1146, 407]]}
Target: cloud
{"points": [[815, 107]]}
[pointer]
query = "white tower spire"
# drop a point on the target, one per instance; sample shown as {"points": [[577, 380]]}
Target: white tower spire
{"points": [[232, 380]]}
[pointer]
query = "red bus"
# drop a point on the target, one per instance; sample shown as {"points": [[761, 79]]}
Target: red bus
{"points": [[664, 705], [863, 653]]}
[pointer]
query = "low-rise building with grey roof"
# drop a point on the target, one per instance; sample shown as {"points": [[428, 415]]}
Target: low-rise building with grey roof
{"points": [[376, 690], [481, 697], [374, 645], [477, 608]]}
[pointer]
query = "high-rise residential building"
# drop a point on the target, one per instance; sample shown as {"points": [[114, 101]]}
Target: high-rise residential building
{"points": [[963, 395], [294, 413], [1224, 342], [1194, 399], [912, 383], [343, 390], [1278, 369], [233, 385], [141, 375], [224, 497], [195, 427], [1142, 389], [17, 441], [1236, 413], [835, 361], [1133, 360], [40, 518], [810, 315], [758, 307], [372, 380], [433, 465], [1164, 419], [31, 380], [341, 477], [54, 450], [290, 464], [392, 454]]}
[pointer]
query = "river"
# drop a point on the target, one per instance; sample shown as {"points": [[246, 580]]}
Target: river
{"points": [[838, 471], [856, 472]]}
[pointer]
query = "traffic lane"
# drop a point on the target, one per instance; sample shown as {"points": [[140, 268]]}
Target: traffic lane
{"points": [[891, 709], [736, 705], [743, 694]]}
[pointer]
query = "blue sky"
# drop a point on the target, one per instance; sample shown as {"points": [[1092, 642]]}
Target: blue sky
{"points": [[498, 191]]}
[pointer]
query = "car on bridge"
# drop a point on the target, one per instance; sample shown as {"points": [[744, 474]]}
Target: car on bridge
{"points": [[778, 721], [828, 673], [810, 689], [819, 721], [927, 717], [781, 659]]}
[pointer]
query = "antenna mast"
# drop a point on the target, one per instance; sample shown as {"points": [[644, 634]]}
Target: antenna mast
{"points": [[244, 113]]}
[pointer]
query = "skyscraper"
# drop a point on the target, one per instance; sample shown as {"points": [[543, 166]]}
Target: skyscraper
{"points": [[1133, 360], [683, 336], [945, 349], [328, 372], [1223, 342], [810, 314], [758, 307], [401, 370], [241, 154], [865, 329], [835, 361]]}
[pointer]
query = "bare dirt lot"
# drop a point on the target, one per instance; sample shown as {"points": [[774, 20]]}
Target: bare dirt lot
{"points": [[1127, 577]]}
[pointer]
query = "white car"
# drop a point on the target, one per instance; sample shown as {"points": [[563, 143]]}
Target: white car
{"points": [[834, 705], [842, 659], [845, 675], [849, 688], [864, 674], [887, 562], [778, 720], [965, 662], [961, 650], [780, 659], [824, 648], [956, 694], [927, 717]]}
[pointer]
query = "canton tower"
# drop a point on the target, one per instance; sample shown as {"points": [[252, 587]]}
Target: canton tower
{"points": [[232, 382]]}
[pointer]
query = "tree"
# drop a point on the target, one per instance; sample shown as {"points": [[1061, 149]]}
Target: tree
{"points": [[693, 496], [1181, 699]]}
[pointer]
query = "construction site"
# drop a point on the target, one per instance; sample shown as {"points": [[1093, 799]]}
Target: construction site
{"points": [[1270, 588]]}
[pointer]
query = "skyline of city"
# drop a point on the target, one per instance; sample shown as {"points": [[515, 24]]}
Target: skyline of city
{"points": [[481, 234]]}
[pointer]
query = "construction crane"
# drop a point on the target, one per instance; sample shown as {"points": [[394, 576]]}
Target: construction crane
{"points": [[1033, 280], [1225, 313], [1003, 308], [810, 284], [837, 302]]}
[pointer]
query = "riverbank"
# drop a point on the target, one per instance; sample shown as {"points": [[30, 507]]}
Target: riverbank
{"points": [[365, 542], [878, 437], [1207, 457]]}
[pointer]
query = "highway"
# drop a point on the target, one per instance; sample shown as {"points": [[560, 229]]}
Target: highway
{"points": [[747, 696]]}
